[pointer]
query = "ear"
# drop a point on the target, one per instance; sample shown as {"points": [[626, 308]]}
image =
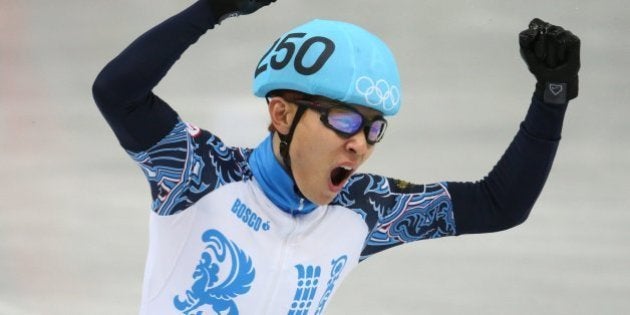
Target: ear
{"points": [[281, 113]]}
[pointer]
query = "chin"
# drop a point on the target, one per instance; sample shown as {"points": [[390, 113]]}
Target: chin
{"points": [[322, 200], [321, 197], [327, 200]]}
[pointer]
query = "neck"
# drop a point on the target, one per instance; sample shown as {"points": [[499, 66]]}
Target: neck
{"points": [[277, 184]]}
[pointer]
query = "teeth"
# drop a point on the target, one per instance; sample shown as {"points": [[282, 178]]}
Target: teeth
{"points": [[347, 168]]}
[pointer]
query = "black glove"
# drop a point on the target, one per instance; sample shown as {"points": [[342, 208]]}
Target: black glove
{"points": [[229, 8], [553, 56]]}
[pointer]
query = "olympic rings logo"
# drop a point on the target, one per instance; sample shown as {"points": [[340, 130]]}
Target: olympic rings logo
{"points": [[379, 93]]}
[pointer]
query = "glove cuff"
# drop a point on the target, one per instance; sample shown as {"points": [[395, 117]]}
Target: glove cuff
{"points": [[557, 92]]}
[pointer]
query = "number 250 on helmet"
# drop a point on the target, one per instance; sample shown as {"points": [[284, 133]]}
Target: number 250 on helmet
{"points": [[337, 60]]}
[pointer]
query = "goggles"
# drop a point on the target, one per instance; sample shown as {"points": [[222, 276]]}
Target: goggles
{"points": [[347, 121]]}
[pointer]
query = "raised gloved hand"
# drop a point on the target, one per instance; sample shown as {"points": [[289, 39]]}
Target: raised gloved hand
{"points": [[553, 57], [230, 8]]}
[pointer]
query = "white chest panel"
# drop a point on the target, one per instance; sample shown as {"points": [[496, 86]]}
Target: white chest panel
{"points": [[234, 252]]}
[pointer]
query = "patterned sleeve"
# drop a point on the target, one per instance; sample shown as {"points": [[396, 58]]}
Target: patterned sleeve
{"points": [[398, 212], [186, 165]]}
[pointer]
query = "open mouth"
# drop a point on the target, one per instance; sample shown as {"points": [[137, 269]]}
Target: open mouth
{"points": [[340, 174]]}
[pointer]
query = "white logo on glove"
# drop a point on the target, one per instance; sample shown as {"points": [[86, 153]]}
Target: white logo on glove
{"points": [[555, 88]]}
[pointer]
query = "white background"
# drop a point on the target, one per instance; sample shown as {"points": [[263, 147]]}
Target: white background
{"points": [[74, 208]]}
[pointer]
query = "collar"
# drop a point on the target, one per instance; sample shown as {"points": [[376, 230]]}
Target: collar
{"points": [[276, 183]]}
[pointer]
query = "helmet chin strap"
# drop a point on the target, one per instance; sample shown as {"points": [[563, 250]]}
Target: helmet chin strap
{"points": [[285, 143]]}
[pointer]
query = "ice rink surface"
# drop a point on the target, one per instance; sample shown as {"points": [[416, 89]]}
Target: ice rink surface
{"points": [[74, 207]]}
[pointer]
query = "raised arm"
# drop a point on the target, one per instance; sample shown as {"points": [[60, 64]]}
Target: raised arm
{"points": [[123, 89], [506, 196]]}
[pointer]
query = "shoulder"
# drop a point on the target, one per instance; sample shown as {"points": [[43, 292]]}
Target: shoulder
{"points": [[187, 164], [397, 211], [375, 191]]}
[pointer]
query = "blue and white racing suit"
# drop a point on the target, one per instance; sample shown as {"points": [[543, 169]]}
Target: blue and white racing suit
{"points": [[228, 233]]}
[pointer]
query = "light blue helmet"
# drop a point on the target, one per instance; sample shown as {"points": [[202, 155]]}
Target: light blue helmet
{"points": [[337, 60]]}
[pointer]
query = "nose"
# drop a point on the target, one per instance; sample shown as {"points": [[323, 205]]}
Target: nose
{"points": [[357, 144]]}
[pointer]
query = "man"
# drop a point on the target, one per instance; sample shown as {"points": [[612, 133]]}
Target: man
{"points": [[275, 229]]}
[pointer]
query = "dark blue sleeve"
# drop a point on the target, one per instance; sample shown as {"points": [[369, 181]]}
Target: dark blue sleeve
{"points": [[123, 89], [505, 197]]}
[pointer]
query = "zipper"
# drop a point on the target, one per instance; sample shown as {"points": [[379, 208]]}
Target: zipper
{"points": [[282, 261], [301, 206]]}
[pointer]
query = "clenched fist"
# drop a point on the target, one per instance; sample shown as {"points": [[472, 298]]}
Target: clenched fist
{"points": [[553, 57]]}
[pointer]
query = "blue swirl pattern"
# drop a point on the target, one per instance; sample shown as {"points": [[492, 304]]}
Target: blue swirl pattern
{"points": [[177, 167], [398, 212]]}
